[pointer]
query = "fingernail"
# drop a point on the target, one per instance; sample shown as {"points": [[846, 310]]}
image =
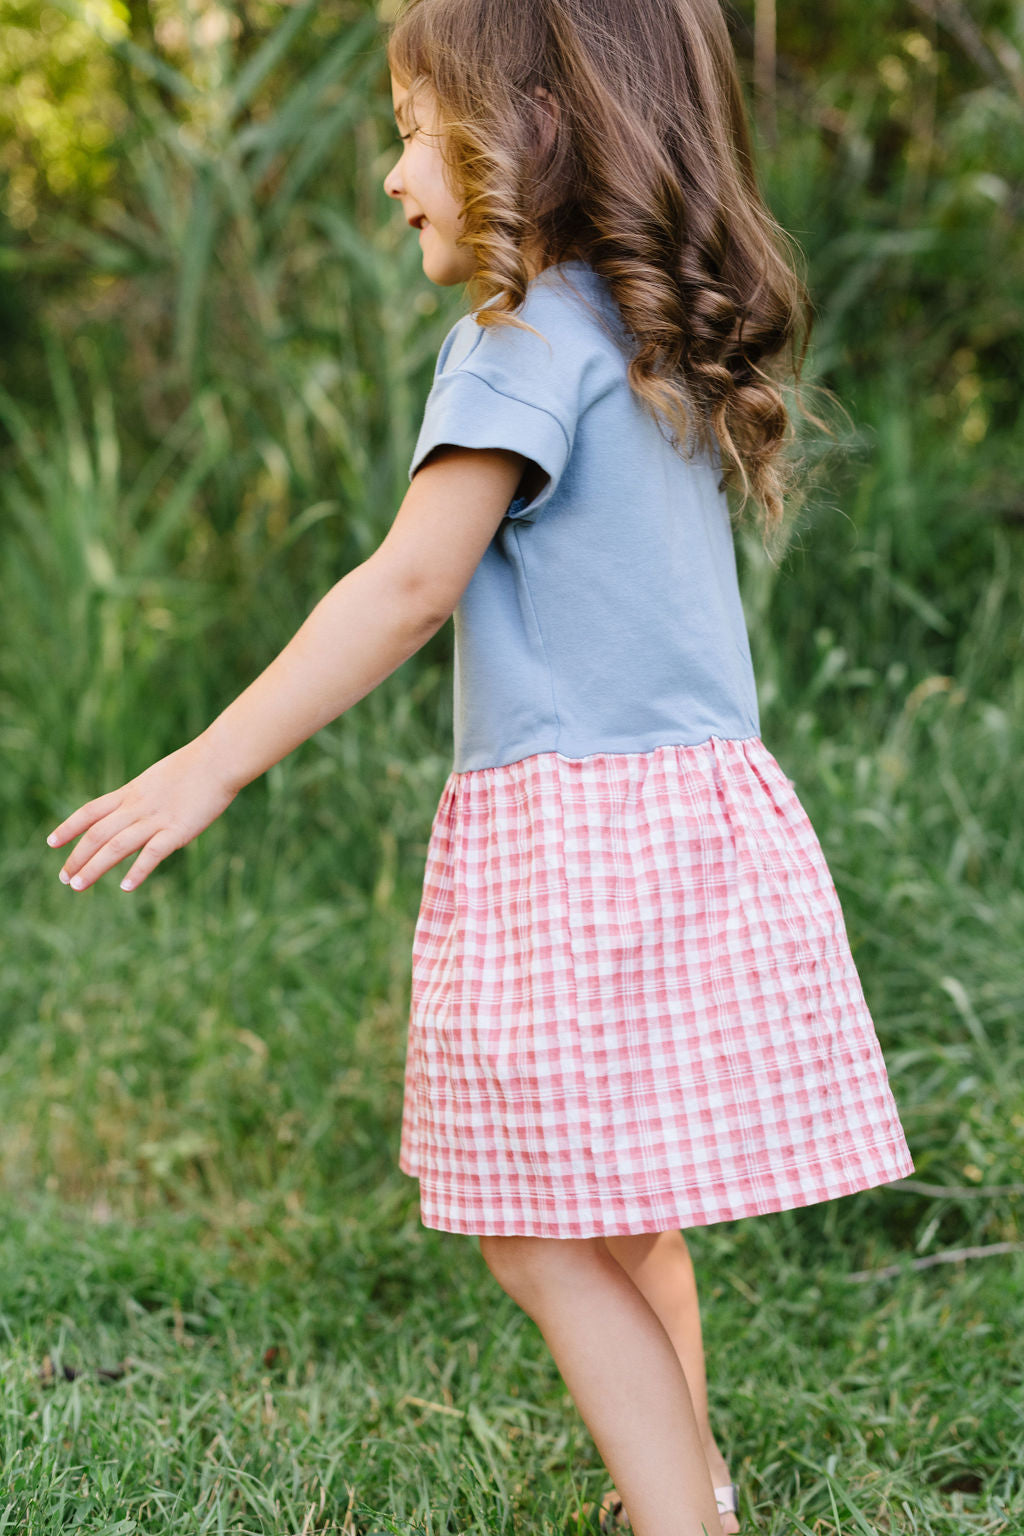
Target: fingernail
{"points": [[65, 877], [52, 839], [126, 884], [77, 883]]}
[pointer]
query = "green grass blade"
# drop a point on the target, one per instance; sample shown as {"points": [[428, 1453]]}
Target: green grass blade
{"points": [[266, 57], [154, 68], [264, 141], [196, 256]]}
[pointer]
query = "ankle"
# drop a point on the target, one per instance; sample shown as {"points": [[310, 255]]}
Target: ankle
{"points": [[715, 1459]]}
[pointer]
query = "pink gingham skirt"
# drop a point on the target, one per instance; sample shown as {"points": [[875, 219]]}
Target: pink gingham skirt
{"points": [[634, 1005]]}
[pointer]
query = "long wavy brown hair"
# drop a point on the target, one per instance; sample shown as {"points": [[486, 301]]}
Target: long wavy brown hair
{"points": [[645, 172]]}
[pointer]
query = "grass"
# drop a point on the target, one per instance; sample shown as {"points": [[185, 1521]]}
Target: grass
{"points": [[344, 1368]]}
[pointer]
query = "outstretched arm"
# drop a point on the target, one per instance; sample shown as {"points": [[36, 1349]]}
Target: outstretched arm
{"points": [[360, 631]]}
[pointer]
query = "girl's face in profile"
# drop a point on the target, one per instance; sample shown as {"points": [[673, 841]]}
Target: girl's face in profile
{"points": [[420, 181]]}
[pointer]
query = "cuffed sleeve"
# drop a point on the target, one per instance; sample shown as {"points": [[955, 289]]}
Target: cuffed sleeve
{"points": [[466, 410], [502, 386]]}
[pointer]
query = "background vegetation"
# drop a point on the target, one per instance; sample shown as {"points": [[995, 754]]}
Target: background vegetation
{"points": [[219, 1311]]}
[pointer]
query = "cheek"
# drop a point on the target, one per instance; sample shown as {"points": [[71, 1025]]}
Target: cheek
{"points": [[451, 207], [443, 200]]}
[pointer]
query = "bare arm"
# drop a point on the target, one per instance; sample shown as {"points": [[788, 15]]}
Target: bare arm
{"points": [[358, 634], [375, 617]]}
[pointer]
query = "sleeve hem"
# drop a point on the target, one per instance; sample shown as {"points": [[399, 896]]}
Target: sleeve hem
{"points": [[462, 412]]}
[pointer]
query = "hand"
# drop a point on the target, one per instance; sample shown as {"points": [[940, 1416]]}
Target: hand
{"points": [[161, 810]]}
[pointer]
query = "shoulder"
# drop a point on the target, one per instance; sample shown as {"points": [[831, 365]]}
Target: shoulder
{"points": [[526, 390], [571, 351]]}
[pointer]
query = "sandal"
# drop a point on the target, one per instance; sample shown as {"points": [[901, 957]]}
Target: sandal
{"points": [[612, 1517], [728, 1499]]}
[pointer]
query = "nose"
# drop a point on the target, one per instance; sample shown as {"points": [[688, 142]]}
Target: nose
{"points": [[393, 181]]}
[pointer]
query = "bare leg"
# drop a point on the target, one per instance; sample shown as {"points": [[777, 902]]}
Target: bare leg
{"points": [[659, 1265], [623, 1372]]}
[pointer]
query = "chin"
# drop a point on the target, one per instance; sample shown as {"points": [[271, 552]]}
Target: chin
{"points": [[446, 275], [448, 268]]}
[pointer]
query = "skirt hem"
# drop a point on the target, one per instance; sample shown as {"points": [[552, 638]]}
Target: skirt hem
{"points": [[883, 1163]]}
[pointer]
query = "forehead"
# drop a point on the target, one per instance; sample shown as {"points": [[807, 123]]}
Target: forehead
{"points": [[407, 104], [400, 97]]}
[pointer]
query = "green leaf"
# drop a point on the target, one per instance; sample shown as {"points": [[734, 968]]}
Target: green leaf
{"points": [[266, 56], [197, 250]]}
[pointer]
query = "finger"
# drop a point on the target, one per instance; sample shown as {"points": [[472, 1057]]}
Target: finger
{"points": [[156, 850], [84, 817], [115, 824], [111, 852]]}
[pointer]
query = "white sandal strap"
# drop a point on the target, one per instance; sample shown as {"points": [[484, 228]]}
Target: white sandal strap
{"points": [[728, 1499]]}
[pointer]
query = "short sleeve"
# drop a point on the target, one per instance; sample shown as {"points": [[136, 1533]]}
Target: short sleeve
{"points": [[505, 387]]}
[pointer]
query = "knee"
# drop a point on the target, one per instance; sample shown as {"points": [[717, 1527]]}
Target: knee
{"points": [[512, 1261], [525, 1267], [651, 1255], [659, 1264]]}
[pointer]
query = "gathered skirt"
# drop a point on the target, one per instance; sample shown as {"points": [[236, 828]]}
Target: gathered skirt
{"points": [[634, 1005]]}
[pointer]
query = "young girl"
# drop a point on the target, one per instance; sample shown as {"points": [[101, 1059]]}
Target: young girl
{"points": [[634, 1007]]}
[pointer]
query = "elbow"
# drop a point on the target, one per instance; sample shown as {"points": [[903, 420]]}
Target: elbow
{"points": [[429, 619], [418, 604], [424, 608]]}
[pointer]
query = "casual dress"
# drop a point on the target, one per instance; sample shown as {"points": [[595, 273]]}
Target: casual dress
{"points": [[634, 1005]]}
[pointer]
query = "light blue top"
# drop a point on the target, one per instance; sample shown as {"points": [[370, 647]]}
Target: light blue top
{"points": [[605, 614]]}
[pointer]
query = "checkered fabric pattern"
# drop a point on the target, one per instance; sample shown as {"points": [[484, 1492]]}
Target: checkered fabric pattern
{"points": [[634, 1005]]}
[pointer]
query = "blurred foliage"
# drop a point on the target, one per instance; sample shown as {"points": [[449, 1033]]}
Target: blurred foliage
{"points": [[238, 340], [59, 109], [199, 185], [901, 170], [238, 336], [235, 313]]}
